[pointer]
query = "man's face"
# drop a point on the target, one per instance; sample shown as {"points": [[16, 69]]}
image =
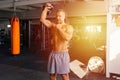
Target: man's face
{"points": [[60, 16]]}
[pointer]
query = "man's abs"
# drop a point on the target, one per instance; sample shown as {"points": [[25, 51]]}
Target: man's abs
{"points": [[60, 47]]}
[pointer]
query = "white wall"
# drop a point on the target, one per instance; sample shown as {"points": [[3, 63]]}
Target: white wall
{"points": [[113, 46]]}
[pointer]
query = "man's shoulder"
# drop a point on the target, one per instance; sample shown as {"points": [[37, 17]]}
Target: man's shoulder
{"points": [[69, 26]]}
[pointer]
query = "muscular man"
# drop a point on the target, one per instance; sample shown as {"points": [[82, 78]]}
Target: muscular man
{"points": [[58, 62]]}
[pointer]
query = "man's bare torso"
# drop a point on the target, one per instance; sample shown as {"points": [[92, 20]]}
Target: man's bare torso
{"points": [[59, 44]]}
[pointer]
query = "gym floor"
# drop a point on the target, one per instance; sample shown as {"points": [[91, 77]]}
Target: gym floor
{"points": [[30, 66]]}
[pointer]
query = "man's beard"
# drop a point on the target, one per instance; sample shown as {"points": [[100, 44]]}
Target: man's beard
{"points": [[60, 22]]}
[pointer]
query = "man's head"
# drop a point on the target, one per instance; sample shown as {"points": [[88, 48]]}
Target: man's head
{"points": [[60, 15]]}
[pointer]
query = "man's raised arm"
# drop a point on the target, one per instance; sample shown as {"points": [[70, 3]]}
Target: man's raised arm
{"points": [[43, 17]]}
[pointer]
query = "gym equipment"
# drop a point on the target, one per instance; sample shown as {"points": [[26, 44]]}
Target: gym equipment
{"points": [[96, 65], [15, 36]]}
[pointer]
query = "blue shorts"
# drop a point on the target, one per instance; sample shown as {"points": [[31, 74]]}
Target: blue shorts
{"points": [[58, 63]]}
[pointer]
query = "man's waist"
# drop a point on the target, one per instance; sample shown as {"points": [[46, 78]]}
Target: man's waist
{"points": [[59, 50]]}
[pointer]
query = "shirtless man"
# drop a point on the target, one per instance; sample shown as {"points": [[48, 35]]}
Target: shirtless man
{"points": [[58, 62]]}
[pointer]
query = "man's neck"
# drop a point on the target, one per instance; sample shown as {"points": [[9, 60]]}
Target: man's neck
{"points": [[62, 23]]}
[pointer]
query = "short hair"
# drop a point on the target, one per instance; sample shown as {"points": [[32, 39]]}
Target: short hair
{"points": [[61, 10]]}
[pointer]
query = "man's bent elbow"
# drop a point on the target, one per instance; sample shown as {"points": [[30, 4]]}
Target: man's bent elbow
{"points": [[41, 20], [68, 39]]}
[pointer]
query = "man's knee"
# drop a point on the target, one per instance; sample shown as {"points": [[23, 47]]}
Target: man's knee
{"points": [[52, 76], [65, 76]]}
